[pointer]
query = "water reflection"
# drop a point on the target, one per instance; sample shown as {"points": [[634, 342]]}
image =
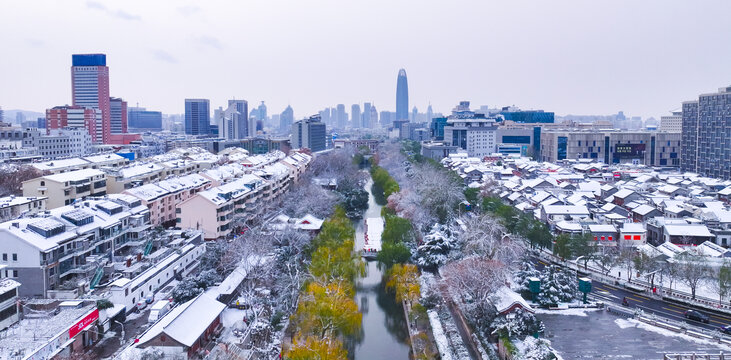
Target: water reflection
{"points": [[373, 342]]}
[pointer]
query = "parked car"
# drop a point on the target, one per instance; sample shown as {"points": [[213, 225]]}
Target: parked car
{"points": [[725, 329], [696, 315], [158, 310], [141, 305]]}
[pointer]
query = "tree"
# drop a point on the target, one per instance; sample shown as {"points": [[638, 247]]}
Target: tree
{"points": [[476, 278], [313, 348], [672, 270], [557, 286], [487, 238], [472, 195], [626, 259], [606, 258], [328, 310], [584, 246], [13, 177], [693, 270], [331, 264], [517, 323], [538, 234], [523, 276], [403, 281], [562, 247], [722, 281], [434, 249], [393, 253], [192, 287]]}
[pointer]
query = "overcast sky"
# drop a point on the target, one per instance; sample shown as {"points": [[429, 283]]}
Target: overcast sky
{"points": [[572, 57]]}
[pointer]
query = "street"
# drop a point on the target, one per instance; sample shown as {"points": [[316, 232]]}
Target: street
{"points": [[674, 311]]}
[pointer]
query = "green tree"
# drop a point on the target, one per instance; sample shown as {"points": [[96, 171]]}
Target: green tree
{"points": [[562, 246], [393, 253], [328, 310], [397, 229], [403, 281], [338, 263], [722, 281], [472, 195], [539, 235], [313, 348], [584, 246]]}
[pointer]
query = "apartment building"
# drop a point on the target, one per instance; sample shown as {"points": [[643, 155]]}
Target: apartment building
{"points": [[12, 207], [70, 243], [119, 180], [65, 188], [163, 197], [8, 299], [78, 163]]}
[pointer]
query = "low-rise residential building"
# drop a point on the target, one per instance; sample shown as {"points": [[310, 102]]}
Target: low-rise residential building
{"points": [[119, 180], [64, 188], [59, 143], [12, 207], [163, 197], [66, 244], [8, 299]]}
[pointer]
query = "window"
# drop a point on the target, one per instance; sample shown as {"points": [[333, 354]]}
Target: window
{"points": [[15, 273], [637, 237], [15, 257], [5, 257], [610, 238], [628, 237]]}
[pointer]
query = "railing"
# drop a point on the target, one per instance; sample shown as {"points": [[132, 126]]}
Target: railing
{"points": [[699, 356]]}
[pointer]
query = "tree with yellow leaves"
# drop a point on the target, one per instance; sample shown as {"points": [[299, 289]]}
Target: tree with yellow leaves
{"points": [[328, 310], [330, 264], [313, 348], [403, 280]]}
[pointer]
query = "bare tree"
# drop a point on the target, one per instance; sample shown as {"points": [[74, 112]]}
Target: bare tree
{"points": [[12, 178], [476, 279], [693, 270], [486, 237], [626, 260], [721, 281]]}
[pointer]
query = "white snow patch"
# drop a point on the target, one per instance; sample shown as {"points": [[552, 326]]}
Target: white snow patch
{"points": [[625, 323], [570, 312], [439, 337]]}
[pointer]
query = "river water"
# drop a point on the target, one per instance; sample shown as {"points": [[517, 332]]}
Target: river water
{"points": [[384, 334]]}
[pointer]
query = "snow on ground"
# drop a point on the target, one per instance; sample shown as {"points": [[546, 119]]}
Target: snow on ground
{"points": [[572, 312], [628, 323], [439, 337], [703, 289], [233, 323]]}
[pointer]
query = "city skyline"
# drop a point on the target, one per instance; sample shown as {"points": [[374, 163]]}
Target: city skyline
{"points": [[157, 60]]}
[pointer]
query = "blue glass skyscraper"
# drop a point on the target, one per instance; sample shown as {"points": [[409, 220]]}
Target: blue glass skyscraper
{"points": [[402, 96], [197, 117]]}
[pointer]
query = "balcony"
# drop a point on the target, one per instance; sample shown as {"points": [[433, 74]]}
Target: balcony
{"points": [[83, 188]]}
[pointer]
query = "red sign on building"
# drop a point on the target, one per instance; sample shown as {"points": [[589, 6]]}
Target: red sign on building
{"points": [[83, 323]]}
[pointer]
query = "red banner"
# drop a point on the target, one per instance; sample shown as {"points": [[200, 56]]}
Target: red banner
{"points": [[83, 323]]}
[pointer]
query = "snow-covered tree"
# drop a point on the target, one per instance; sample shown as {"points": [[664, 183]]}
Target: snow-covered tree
{"points": [[434, 248], [522, 277], [557, 286], [536, 349], [517, 323]]}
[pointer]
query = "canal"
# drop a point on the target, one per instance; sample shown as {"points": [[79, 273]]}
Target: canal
{"points": [[384, 334]]}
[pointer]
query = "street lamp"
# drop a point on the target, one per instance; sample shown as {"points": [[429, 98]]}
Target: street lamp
{"points": [[121, 339]]}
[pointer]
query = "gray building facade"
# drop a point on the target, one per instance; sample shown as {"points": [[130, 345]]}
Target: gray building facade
{"points": [[706, 135]]}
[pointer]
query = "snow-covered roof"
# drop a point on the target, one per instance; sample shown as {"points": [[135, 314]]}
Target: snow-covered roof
{"points": [[566, 209], [632, 228], [308, 222], [602, 228], [9, 201], [670, 249], [77, 175], [621, 194], [59, 164], [186, 322], [687, 230], [643, 209], [568, 226], [504, 299], [102, 158]]}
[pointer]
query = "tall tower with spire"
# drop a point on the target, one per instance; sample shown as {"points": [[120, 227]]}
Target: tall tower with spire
{"points": [[402, 96]]}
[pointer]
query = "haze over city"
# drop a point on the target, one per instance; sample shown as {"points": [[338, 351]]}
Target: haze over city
{"points": [[571, 57]]}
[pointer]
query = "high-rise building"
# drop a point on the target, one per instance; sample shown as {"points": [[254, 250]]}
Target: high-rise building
{"points": [[414, 114], [197, 117], [342, 116], [90, 88], [402, 96], [118, 115], [59, 143], [527, 116], [706, 135], [355, 116], [672, 123], [262, 113], [373, 119], [240, 125], [41, 123], [2, 115], [385, 119], [429, 114], [143, 119], [471, 131], [286, 119], [19, 118], [309, 133], [366, 117], [76, 117]]}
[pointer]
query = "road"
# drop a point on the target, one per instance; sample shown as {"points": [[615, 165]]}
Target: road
{"points": [[611, 294]]}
